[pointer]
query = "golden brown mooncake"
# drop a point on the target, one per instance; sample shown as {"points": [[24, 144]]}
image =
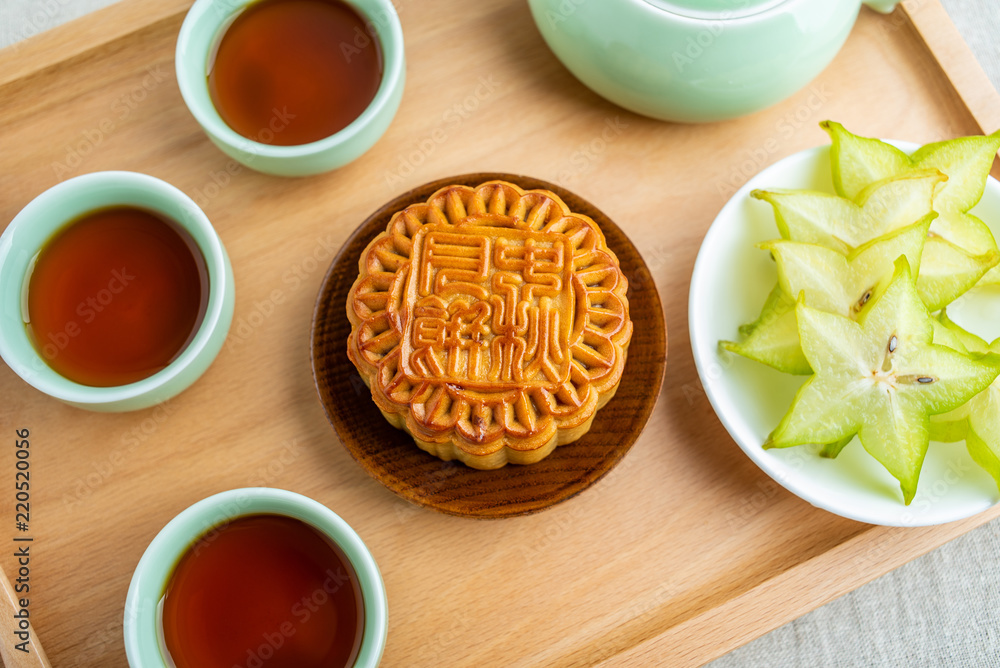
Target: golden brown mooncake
{"points": [[490, 323]]}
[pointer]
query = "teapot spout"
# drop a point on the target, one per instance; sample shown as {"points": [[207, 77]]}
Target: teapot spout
{"points": [[882, 6]]}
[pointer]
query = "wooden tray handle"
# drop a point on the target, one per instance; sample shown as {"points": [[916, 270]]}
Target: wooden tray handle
{"points": [[15, 658]]}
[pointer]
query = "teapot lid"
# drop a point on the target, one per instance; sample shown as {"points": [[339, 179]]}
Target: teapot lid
{"points": [[715, 9]]}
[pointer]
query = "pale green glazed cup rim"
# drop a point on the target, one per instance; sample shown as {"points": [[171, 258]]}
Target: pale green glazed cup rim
{"points": [[143, 645], [751, 11], [194, 53], [50, 212]]}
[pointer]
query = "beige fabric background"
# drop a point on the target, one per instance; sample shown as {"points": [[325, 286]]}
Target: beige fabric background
{"points": [[942, 609]]}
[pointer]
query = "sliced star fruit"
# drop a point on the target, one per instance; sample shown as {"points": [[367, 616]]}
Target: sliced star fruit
{"points": [[977, 421], [967, 341], [949, 270], [962, 249], [946, 337], [775, 300], [991, 277], [835, 283], [831, 450], [774, 340], [826, 280], [881, 378], [944, 432], [985, 449], [859, 162], [843, 224], [953, 426], [947, 427]]}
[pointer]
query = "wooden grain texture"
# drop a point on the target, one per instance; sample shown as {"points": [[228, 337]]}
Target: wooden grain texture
{"points": [[390, 455], [956, 60], [685, 550], [21, 648]]}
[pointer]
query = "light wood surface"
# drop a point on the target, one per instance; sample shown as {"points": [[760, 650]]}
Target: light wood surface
{"points": [[956, 60], [20, 648], [684, 551]]}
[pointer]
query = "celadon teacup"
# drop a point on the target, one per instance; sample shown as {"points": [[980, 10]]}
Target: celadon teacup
{"points": [[697, 60], [143, 640], [196, 44], [51, 211]]}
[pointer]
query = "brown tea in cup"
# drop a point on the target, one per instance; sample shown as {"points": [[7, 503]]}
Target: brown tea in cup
{"points": [[290, 72], [115, 296], [263, 590]]}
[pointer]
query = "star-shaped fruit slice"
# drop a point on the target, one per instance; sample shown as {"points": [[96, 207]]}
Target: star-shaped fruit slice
{"points": [[858, 162], [964, 340], [773, 339], [843, 224], [881, 378], [826, 280], [961, 249], [977, 421], [835, 283]]}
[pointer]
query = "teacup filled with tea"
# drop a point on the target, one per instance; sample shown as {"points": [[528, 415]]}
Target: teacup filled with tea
{"points": [[292, 87], [116, 291], [256, 577]]}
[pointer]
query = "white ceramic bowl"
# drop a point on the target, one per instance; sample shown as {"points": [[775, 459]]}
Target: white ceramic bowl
{"points": [[731, 279]]}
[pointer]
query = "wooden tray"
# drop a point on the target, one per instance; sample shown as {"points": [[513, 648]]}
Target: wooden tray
{"points": [[683, 552], [389, 455]]}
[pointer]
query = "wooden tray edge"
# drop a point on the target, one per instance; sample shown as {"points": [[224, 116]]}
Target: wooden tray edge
{"points": [[740, 619], [957, 62], [71, 40], [830, 575]]}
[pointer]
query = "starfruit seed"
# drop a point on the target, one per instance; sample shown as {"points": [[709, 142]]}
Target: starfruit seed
{"points": [[865, 298]]}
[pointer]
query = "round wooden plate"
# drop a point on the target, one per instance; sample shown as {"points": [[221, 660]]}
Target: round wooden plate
{"points": [[390, 455]]}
